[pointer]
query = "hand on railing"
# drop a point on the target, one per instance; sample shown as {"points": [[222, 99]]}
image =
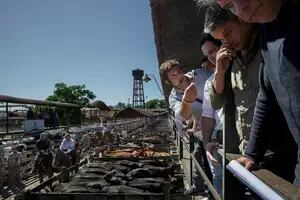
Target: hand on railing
{"points": [[190, 131], [246, 162]]}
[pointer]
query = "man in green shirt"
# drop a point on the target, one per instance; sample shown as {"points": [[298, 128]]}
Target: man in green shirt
{"points": [[239, 53]]}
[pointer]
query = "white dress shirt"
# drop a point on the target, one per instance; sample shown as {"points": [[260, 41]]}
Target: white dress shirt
{"points": [[67, 145]]}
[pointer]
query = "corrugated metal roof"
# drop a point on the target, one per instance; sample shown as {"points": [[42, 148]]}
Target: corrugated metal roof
{"points": [[177, 25], [133, 112], [99, 104]]}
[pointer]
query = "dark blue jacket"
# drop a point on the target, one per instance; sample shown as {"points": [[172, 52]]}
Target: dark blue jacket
{"points": [[278, 104]]}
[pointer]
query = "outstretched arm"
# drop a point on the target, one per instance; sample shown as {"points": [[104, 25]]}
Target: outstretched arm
{"points": [[262, 123]]}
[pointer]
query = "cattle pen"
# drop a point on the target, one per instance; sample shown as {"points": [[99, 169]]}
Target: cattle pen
{"points": [[156, 154]]}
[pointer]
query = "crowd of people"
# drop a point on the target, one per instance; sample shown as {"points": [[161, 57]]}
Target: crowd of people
{"points": [[45, 148], [246, 88], [70, 145]]}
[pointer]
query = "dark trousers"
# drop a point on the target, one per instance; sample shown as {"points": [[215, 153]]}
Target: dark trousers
{"points": [[72, 154]]}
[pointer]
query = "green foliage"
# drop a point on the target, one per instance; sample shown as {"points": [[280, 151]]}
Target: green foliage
{"points": [[156, 103], [121, 105], [77, 94], [129, 105]]}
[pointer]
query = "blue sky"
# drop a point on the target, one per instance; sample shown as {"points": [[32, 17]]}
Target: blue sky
{"points": [[92, 42]]}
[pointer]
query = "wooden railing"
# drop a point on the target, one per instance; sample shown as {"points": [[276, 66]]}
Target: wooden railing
{"points": [[282, 187]]}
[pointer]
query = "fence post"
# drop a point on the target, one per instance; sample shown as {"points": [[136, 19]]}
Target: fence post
{"points": [[192, 147], [166, 189], [23, 195], [64, 176], [7, 117], [1, 169], [180, 149]]}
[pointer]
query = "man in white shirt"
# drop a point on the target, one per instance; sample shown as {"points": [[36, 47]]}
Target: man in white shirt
{"points": [[186, 101], [68, 146]]}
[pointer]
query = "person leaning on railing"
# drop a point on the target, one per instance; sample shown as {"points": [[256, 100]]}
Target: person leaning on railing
{"points": [[186, 101], [239, 53], [212, 120], [278, 102]]}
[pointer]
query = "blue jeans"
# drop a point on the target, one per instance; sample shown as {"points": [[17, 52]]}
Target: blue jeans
{"points": [[217, 171], [197, 178], [297, 171], [200, 156]]}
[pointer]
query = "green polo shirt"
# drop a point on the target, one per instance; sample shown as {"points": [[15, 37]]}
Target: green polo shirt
{"points": [[245, 87]]}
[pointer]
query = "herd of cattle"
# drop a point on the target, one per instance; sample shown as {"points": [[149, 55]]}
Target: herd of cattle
{"points": [[124, 177], [138, 163]]}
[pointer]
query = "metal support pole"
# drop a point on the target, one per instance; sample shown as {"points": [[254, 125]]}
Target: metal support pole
{"points": [[161, 92], [204, 176], [166, 189], [192, 147], [180, 149], [90, 115], [6, 117]]}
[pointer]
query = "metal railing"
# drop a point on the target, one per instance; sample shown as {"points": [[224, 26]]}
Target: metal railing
{"points": [[279, 186], [193, 161]]}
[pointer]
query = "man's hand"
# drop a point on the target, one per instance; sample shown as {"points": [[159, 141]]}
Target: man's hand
{"points": [[190, 93], [209, 149], [246, 162], [224, 57], [210, 146]]}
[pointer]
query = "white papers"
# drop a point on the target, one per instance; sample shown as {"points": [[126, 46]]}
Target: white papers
{"points": [[252, 182]]}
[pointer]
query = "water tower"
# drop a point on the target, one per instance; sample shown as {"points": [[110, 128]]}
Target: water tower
{"points": [[138, 99]]}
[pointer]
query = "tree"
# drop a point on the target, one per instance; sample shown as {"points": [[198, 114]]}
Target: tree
{"points": [[156, 103], [77, 94], [121, 105]]}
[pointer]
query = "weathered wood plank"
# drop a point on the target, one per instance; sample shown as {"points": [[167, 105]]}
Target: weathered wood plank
{"points": [[285, 188]]}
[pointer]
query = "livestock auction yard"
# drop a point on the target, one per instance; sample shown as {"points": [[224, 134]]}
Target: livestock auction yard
{"points": [[149, 100], [137, 154], [140, 160]]}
